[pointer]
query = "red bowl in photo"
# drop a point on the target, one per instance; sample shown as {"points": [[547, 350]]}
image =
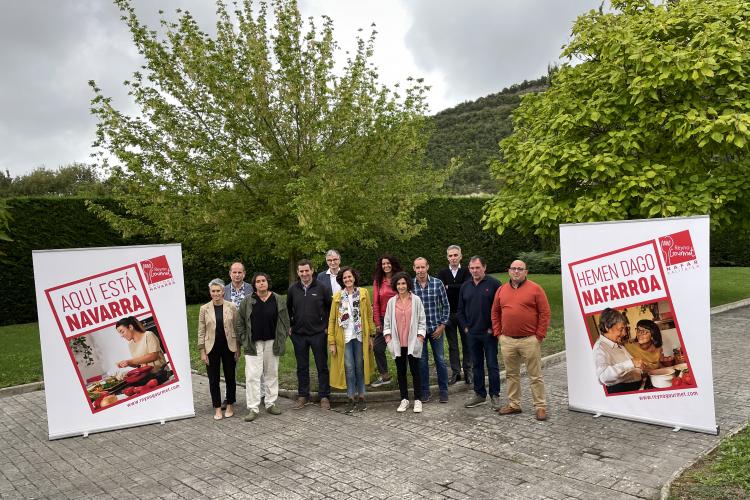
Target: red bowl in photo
{"points": [[138, 371], [136, 377]]}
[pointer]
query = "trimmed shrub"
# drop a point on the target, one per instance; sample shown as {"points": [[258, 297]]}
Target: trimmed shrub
{"points": [[541, 262]]}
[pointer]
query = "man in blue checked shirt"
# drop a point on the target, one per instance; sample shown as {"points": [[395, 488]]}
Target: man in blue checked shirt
{"points": [[437, 310]]}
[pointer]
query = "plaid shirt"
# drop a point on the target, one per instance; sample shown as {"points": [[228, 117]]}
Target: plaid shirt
{"points": [[435, 301]]}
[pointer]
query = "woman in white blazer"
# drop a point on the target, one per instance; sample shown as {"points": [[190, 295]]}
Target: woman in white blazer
{"points": [[218, 345], [404, 327]]}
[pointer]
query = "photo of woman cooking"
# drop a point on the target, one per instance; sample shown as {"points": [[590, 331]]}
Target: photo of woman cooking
{"points": [[121, 361], [650, 356]]}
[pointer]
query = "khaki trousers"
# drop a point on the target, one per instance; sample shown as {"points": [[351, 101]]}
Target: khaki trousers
{"points": [[516, 350], [263, 366]]}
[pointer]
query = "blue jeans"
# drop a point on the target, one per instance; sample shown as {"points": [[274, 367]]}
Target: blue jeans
{"points": [[437, 348], [483, 347], [354, 366]]}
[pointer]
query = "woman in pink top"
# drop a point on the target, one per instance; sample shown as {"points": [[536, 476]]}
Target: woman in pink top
{"points": [[404, 326], [382, 291]]}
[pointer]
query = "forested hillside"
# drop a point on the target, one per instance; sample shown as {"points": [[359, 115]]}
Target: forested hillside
{"points": [[472, 131]]}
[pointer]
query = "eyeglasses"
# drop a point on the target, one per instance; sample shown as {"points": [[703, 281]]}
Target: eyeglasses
{"points": [[517, 268]]}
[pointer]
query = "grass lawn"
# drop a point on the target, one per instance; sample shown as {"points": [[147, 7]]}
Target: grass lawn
{"points": [[724, 474]]}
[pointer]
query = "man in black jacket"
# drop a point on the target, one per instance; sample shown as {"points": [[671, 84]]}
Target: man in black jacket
{"points": [[309, 303], [454, 276]]}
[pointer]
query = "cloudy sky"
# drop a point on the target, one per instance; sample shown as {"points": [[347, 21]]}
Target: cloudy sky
{"points": [[50, 49]]}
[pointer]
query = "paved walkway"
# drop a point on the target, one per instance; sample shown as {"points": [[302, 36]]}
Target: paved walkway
{"points": [[446, 452]]}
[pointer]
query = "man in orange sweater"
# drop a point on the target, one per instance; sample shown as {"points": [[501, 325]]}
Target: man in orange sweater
{"points": [[520, 317]]}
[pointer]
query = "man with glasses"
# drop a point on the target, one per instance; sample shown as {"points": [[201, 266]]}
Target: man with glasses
{"points": [[520, 317], [327, 278]]}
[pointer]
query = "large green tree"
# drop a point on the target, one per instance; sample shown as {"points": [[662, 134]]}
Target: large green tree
{"points": [[653, 122], [257, 140]]}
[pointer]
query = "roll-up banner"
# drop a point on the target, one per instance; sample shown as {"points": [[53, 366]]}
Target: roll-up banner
{"points": [[637, 320], [113, 332]]}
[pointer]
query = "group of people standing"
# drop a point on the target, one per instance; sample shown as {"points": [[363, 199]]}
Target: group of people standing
{"points": [[331, 314]]}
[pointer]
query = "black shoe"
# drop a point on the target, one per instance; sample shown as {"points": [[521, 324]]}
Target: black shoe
{"points": [[467, 379], [224, 405], [455, 377], [350, 406]]}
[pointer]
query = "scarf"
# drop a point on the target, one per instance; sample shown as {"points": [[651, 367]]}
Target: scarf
{"points": [[353, 316]]}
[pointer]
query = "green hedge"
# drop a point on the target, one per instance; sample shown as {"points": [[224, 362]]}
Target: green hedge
{"points": [[45, 223], [38, 224]]}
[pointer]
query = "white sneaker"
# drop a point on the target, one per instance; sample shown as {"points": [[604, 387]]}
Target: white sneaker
{"points": [[417, 406], [403, 406]]}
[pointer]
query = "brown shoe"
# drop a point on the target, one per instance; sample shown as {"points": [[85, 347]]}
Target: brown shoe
{"points": [[300, 403], [325, 403], [541, 414], [508, 410]]}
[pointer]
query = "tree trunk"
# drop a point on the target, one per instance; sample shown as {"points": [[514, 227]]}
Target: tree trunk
{"points": [[292, 269]]}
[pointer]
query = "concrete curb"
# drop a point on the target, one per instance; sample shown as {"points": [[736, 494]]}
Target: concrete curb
{"points": [[730, 306], [14, 390], [394, 395]]}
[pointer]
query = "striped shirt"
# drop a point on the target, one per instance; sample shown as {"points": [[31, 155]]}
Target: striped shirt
{"points": [[435, 301]]}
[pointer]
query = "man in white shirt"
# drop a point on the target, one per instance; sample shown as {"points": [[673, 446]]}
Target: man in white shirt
{"points": [[453, 277], [327, 278]]}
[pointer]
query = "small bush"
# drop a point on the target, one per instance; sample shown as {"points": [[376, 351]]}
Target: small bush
{"points": [[541, 262]]}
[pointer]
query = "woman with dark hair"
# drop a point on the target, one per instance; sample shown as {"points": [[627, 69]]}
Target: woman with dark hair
{"points": [[262, 328], [218, 345], [349, 328], [382, 291], [647, 345], [144, 345], [404, 328], [616, 369]]}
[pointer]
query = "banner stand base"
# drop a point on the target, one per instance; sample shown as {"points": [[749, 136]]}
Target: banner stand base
{"points": [[85, 434], [597, 413]]}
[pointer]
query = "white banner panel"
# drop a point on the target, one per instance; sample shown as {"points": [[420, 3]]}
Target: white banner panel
{"points": [[627, 282], [91, 381]]}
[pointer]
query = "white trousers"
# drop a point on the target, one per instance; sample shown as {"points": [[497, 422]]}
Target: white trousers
{"points": [[264, 365]]}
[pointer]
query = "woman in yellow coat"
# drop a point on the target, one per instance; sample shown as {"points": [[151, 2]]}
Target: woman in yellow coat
{"points": [[350, 332]]}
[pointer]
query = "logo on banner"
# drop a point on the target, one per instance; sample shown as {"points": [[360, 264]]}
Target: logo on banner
{"points": [[678, 251], [157, 272]]}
